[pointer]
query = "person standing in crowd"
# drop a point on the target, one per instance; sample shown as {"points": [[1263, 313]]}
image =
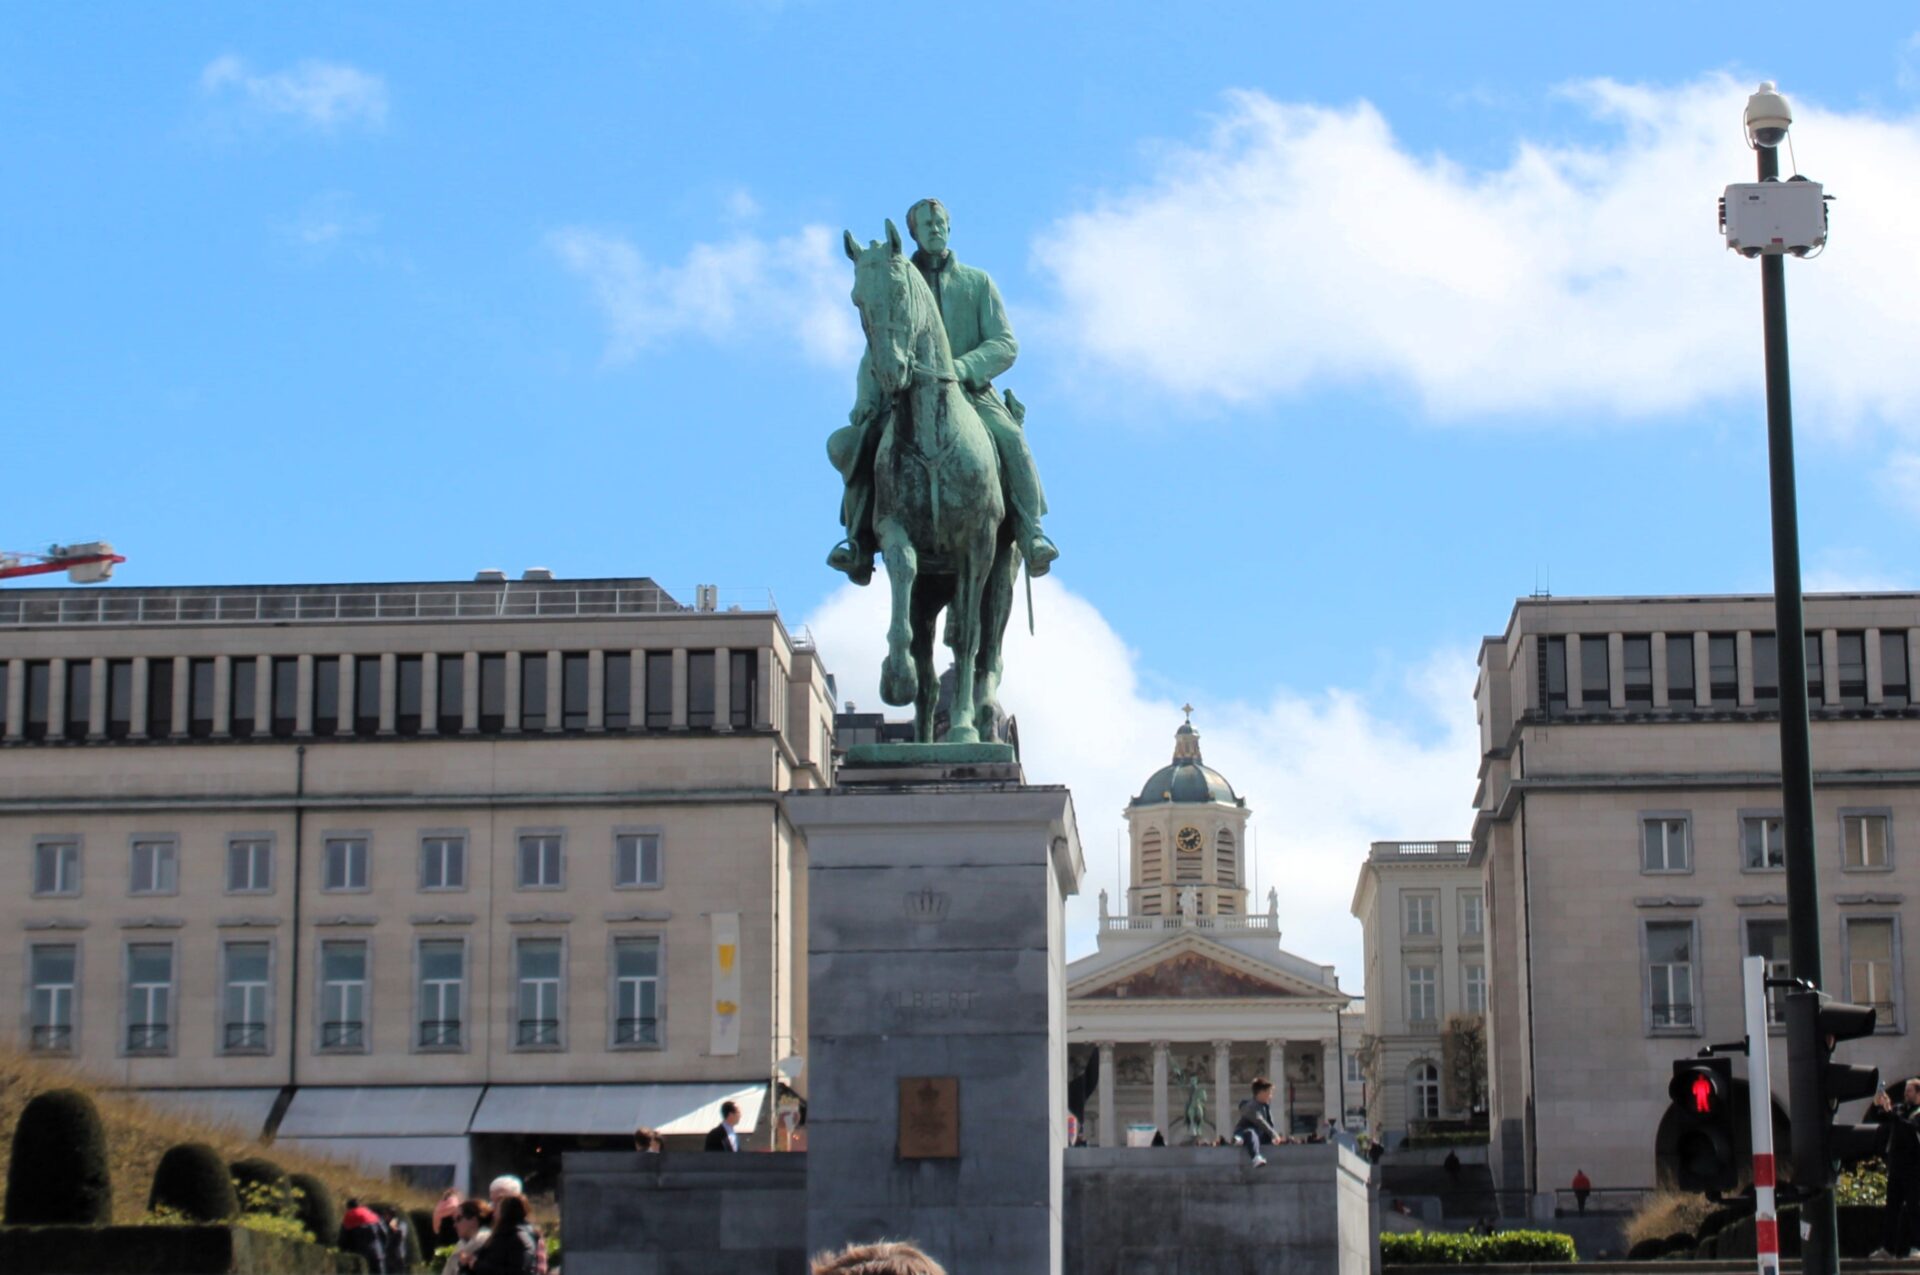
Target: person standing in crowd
{"points": [[722, 1136], [363, 1234], [448, 1207], [889, 1257], [514, 1245], [1255, 1126], [503, 1186], [1582, 1188], [1902, 1150], [645, 1139], [470, 1231]]}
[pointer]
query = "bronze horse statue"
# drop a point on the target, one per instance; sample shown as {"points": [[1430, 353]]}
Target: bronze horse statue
{"points": [[940, 514]]}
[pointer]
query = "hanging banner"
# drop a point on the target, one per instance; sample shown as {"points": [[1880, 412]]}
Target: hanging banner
{"points": [[726, 984]]}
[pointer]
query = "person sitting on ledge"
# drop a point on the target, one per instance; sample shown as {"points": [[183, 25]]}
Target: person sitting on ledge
{"points": [[889, 1257], [1256, 1121]]}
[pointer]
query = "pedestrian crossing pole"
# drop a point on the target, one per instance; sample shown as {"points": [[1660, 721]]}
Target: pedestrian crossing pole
{"points": [[1766, 1228]]}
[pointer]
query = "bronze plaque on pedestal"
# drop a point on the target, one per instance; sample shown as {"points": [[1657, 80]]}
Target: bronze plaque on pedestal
{"points": [[929, 1117]]}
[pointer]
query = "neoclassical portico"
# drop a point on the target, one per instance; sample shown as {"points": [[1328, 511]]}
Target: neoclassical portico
{"points": [[1190, 996]]}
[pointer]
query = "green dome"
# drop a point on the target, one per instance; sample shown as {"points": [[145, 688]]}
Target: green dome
{"points": [[1186, 780]]}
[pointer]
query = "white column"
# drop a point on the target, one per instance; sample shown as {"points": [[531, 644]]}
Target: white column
{"points": [[389, 692], [763, 692], [514, 673], [1616, 670], [222, 695], [303, 699], [1330, 1065], [1875, 692], [1110, 1133], [182, 690], [1575, 691], [1160, 1088], [263, 694], [430, 693], [56, 698], [1659, 648], [723, 688], [679, 688], [1702, 669], [349, 696], [138, 727], [1743, 655], [1277, 1073], [637, 689], [97, 706], [1830, 666], [470, 692], [1223, 1103], [596, 690], [555, 717]]}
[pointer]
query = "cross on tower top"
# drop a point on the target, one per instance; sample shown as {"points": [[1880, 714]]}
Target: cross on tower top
{"points": [[1188, 710]]}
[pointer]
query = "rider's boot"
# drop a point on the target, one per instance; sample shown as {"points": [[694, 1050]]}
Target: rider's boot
{"points": [[853, 558], [1039, 551]]}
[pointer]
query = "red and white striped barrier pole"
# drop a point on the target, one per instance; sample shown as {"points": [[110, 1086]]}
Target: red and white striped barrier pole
{"points": [[1766, 1226]]}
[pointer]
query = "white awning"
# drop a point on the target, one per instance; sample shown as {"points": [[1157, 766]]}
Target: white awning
{"points": [[388, 1111], [245, 1110], [615, 1109]]}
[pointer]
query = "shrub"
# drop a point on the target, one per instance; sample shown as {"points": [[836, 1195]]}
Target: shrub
{"points": [[1460, 1248], [192, 1179], [1645, 1250], [313, 1206], [422, 1221], [1682, 1242], [58, 1174], [415, 1258], [1666, 1213], [262, 1186], [1720, 1219], [1864, 1183]]}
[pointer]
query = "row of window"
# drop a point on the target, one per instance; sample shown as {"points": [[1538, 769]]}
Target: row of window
{"points": [[1666, 841], [1423, 990], [1719, 682], [264, 694], [153, 995], [1870, 944], [540, 862], [1420, 913]]}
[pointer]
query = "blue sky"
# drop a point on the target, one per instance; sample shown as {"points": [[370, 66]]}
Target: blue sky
{"points": [[1342, 325]]}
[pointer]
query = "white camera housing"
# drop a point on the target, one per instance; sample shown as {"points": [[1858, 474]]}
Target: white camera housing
{"points": [[1770, 218]]}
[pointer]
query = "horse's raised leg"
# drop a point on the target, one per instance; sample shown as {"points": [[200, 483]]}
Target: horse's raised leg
{"points": [[899, 680]]}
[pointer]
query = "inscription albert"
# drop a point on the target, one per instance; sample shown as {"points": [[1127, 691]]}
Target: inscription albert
{"points": [[928, 1005]]}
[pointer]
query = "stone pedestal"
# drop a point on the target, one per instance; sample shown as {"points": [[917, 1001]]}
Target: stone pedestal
{"points": [[935, 954]]}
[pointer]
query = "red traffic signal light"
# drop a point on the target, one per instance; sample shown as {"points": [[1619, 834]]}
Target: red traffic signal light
{"points": [[1704, 1135]]}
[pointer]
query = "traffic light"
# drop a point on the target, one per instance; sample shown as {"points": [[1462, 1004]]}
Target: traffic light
{"points": [[1819, 1086], [1703, 1116]]}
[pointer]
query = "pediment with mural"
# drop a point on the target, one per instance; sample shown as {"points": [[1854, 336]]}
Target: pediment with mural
{"points": [[1188, 976]]}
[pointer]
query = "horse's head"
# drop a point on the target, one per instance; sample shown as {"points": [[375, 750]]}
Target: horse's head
{"points": [[882, 287]]}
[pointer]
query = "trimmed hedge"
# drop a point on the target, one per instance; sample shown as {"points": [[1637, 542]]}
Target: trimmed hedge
{"points": [[1461, 1248], [262, 1186], [416, 1255], [192, 1179], [164, 1250], [313, 1205], [58, 1174]]}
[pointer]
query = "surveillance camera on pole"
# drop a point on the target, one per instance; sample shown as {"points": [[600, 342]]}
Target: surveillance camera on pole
{"points": [[1770, 217]]}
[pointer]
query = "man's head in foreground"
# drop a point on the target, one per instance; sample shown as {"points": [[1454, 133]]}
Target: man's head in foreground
{"points": [[889, 1257]]}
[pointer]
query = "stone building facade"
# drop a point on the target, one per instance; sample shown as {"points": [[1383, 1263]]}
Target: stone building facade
{"points": [[1423, 916], [1628, 833], [428, 874], [1190, 996]]}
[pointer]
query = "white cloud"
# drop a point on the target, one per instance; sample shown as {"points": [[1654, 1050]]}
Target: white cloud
{"points": [[1300, 244], [796, 286], [1901, 480], [324, 95], [1326, 770]]}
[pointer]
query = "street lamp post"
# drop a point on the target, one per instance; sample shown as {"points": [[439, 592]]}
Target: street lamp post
{"points": [[1761, 234]]}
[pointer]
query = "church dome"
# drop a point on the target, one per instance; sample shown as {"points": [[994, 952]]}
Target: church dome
{"points": [[1186, 780]]}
